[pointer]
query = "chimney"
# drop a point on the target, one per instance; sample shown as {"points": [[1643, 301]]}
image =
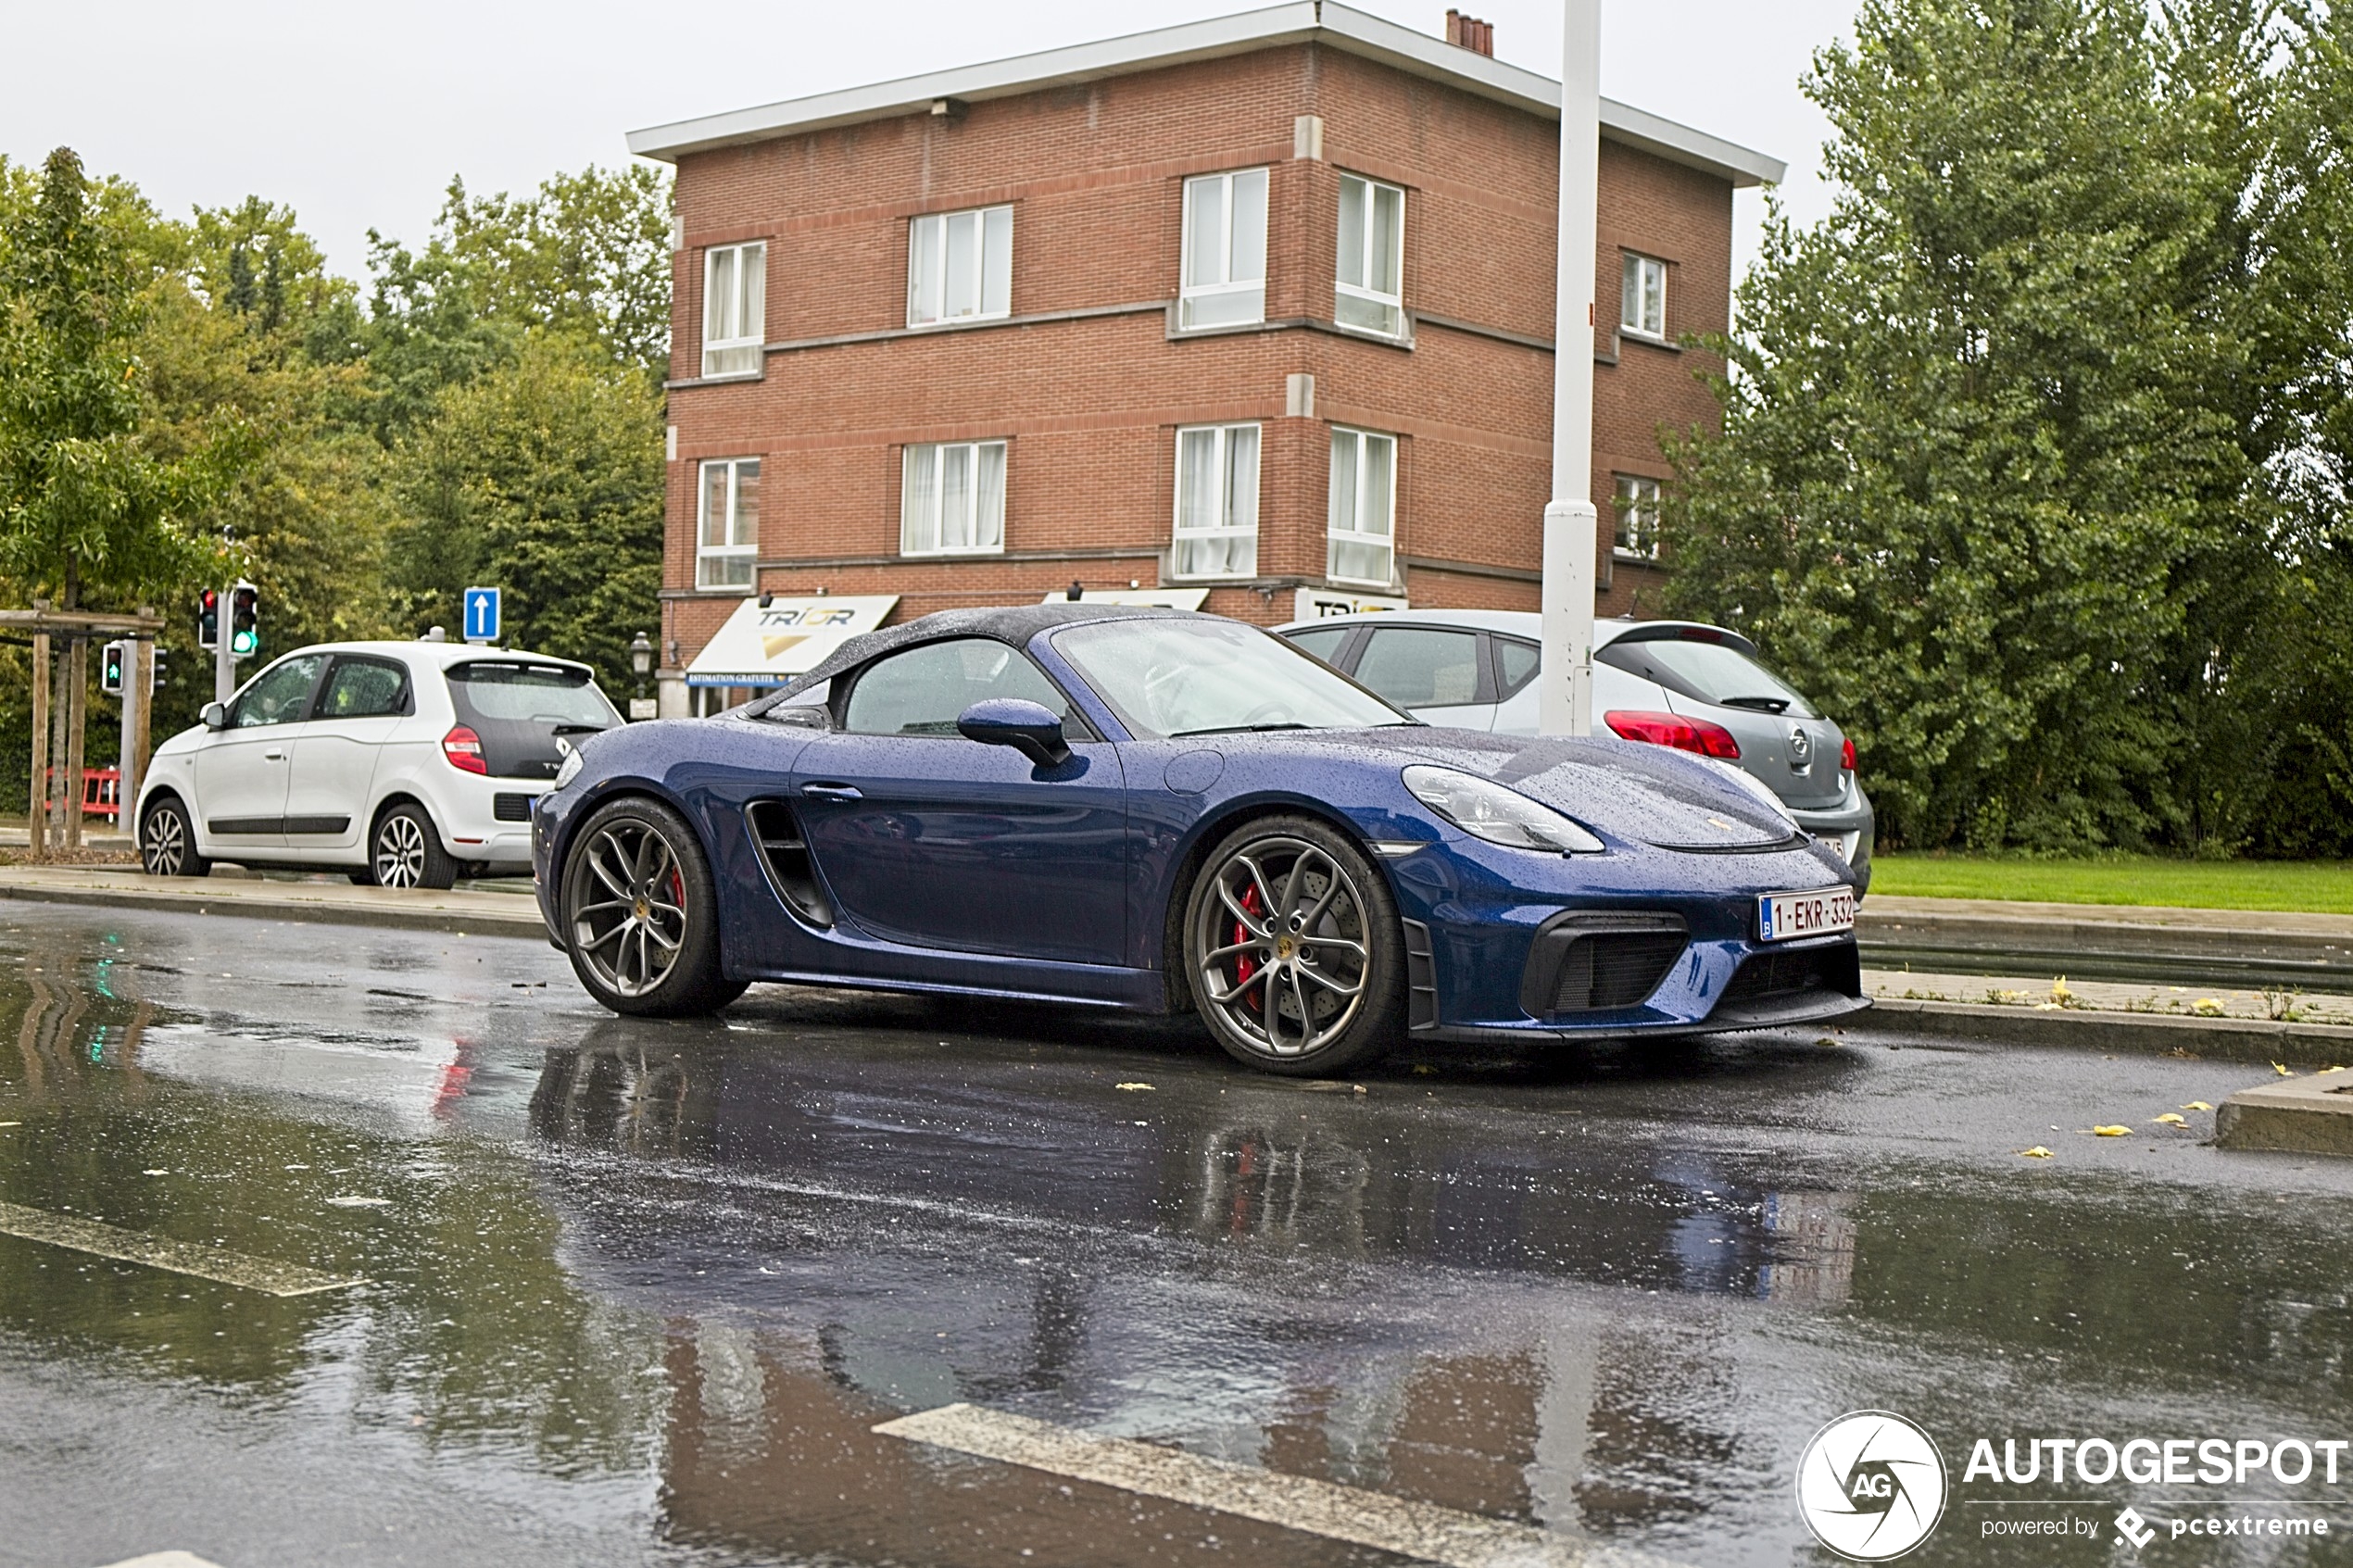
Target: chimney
{"points": [[1469, 33]]}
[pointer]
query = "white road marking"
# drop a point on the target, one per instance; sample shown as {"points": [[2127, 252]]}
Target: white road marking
{"points": [[265, 1274], [1344, 1513], [165, 1560]]}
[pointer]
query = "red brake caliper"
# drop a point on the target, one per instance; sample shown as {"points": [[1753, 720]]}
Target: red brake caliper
{"points": [[1246, 965]]}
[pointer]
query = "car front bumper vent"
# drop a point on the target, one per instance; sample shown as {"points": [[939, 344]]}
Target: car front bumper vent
{"points": [[1600, 961]]}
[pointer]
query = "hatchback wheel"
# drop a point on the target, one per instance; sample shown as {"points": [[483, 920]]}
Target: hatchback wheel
{"points": [[168, 841], [640, 915], [405, 851], [1293, 950]]}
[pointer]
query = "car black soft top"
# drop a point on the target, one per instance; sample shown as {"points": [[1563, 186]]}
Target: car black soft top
{"points": [[1009, 623]]}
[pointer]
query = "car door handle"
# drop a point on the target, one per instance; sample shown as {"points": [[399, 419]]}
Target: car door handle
{"points": [[831, 792], [273, 757]]}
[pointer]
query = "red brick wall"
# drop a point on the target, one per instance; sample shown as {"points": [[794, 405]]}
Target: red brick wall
{"points": [[1090, 408]]}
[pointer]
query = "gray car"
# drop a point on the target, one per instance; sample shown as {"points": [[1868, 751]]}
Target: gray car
{"points": [[1669, 682]]}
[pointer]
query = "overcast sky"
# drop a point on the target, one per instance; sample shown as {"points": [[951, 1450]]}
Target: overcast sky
{"points": [[357, 115]]}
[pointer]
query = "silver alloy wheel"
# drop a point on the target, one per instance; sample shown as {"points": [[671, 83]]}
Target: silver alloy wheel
{"points": [[1283, 955], [625, 901], [164, 846], [401, 851]]}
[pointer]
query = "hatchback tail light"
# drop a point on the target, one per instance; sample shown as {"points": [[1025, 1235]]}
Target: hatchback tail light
{"points": [[463, 748], [1846, 754], [1673, 728]]}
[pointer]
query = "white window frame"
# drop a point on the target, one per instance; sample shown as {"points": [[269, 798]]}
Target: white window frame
{"points": [[975, 523], [1221, 438], [1195, 294], [1642, 297], [1636, 535], [1356, 533], [1395, 304], [993, 236], [746, 549], [727, 354]]}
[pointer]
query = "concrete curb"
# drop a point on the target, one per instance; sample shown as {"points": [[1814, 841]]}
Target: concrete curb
{"points": [[383, 909], [2251, 948], [2308, 1116], [2220, 1039]]}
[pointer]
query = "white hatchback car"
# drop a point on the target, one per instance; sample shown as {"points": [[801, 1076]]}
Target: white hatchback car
{"points": [[404, 764]]}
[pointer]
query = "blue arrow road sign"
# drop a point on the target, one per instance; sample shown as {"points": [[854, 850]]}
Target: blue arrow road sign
{"points": [[482, 614]]}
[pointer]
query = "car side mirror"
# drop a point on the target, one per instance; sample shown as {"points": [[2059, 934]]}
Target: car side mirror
{"points": [[1028, 727], [214, 716]]}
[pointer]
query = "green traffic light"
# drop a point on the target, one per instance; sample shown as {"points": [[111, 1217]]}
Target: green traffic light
{"points": [[240, 642]]}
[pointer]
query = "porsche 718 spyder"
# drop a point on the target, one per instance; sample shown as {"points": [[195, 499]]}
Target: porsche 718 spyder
{"points": [[1148, 810]]}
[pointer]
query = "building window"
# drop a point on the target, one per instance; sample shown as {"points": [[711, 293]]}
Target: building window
{"points": [[734, 308], [1372, 256], [952, 499], [1642, 307], [727, 535], [1225, 282], [960, 266], [1637, 508], [1361, 544], [1216, 502]]}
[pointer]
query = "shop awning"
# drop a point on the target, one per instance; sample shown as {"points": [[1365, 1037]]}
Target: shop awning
{"points": [[768, 645]]}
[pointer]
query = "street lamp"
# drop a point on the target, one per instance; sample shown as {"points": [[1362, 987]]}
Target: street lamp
{"points": [[1564, 688], [641, 662]]}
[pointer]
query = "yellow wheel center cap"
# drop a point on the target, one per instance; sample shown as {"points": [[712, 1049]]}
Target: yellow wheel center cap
{"points": [[642, 910], [1285, 946]]}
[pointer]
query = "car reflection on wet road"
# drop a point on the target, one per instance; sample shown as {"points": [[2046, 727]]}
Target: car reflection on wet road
{"points": [[639, 1292]]}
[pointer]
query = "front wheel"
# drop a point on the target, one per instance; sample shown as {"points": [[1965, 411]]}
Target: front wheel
{"points": [[640, 915], [1293, 950], [167, 840]]}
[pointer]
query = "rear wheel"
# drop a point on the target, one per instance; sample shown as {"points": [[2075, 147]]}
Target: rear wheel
{"points": [[167, 840], [1292, 948], [405, 851], [640, 915]]}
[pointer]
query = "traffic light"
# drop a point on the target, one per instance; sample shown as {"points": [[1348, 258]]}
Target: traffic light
{"points": [[112, 661], [156, 656], [208, 620], [245, 627]]}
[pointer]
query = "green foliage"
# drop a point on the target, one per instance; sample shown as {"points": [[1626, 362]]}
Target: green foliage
{"points": [[1995, 472], [86, 505], [545, 476]]}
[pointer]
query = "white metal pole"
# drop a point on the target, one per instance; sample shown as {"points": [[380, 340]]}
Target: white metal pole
{"points": [[135, 692], [224, 662], [1565, 689]]}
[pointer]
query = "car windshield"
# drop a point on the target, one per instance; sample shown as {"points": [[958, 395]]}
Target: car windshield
{"points": [[1215, 677], [542, 693], [1715, 672]]}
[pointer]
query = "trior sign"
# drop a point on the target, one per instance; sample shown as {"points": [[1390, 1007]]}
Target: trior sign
{"points": [[768, 645]]}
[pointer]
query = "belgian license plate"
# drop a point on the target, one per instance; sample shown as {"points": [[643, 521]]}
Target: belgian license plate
{"points": [[1782, 917]]}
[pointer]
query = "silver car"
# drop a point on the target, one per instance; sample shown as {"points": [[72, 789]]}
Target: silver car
{"points": [[1669, 682]]}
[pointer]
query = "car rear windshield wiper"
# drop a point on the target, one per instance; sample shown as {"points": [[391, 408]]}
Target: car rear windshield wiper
{"points": [[1768, 704], [578, 728], [1245, 729]]}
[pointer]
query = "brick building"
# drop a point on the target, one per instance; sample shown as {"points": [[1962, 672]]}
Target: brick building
{"points": [[1259, 308]]}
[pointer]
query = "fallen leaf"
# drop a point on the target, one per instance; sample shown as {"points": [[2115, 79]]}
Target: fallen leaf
{"points": [[2115, 1129], [1131, 1085], [2037, 1152], [2197, 1105], [2281, 1068], [2174, 1119], [2206, 1007]]}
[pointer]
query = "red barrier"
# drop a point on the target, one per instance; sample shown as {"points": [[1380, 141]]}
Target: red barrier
{"points": [[101, 792]]}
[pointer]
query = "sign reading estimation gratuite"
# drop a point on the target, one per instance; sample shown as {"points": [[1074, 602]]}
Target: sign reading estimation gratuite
{"points": [[768, 645]]}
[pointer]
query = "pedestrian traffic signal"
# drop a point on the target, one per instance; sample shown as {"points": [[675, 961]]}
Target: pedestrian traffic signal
{"points": [[208, 620], [111, 664], [244, 629]]}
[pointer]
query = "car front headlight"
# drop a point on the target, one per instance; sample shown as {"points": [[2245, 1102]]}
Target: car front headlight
{"points": [[1486, 810], [569, 769]]}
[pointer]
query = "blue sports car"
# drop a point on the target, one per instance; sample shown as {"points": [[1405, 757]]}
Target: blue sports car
{"points": [[1148, 810]]}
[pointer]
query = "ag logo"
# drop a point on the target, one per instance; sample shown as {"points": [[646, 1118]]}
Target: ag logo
{"points": [[1870, 1485]]}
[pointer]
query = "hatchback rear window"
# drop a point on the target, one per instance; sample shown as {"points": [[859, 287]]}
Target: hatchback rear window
{"points": [[1715, 672], [544, 694]]}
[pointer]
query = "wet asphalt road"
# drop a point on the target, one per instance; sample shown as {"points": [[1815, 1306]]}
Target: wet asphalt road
{"points": [[638, 1292]]}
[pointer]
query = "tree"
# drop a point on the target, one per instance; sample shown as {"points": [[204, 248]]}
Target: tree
{"points": [[1983, 482], [85, 505], [543, 475]]}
